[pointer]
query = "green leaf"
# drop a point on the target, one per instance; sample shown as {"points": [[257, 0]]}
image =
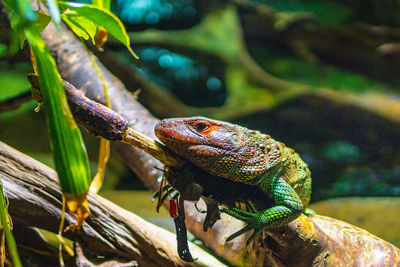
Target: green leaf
{"points": [[21, 10], [75, 27], [54, 12], [12, 246], [24, 10], [17, 35], [21, 15], [80, 25], [42, 21], [104, 18], [69, 152], [104, 4], [18, 24]]}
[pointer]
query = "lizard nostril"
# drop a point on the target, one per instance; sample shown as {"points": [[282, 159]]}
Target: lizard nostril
{"points": [[165, 131]]}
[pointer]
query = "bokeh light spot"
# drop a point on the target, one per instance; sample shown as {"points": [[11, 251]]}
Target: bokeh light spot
{"points": [[213, 83], [152, 18], [166, 61]]}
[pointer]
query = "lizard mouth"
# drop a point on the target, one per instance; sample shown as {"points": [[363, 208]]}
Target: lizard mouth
{"points": [[175, 133], [172, 133], [173, 136]]}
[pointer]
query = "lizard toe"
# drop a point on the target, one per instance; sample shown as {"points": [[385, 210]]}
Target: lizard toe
{"points": [[240, 232], [253, 236]]}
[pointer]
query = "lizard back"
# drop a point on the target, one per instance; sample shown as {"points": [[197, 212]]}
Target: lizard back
{"points": [[235, 152]]}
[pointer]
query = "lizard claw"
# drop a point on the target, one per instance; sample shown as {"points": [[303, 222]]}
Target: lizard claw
{"points": [[245, 229], [252, 218], [240, 232], [253, 236]]}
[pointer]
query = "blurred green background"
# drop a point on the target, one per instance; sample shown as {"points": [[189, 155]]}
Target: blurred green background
{"points": [[320, 76]]}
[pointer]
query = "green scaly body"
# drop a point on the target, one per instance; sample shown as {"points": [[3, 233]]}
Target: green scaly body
{"points": [[247, 156]]}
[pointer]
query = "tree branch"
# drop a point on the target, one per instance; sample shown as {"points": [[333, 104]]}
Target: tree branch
{"points": [[110, 231], [15, 101]]}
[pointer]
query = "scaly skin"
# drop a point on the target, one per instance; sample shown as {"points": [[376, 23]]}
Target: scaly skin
{"points": [[242, 155]]}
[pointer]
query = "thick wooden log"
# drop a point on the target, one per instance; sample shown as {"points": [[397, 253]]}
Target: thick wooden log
{"points": [[110, 232]]}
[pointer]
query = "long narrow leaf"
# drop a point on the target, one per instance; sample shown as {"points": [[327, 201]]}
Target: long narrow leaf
{"points": [[69, 152], [68, 149], [12, 246]]}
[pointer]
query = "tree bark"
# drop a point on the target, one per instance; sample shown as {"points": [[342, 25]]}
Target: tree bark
{"points": [[110, 231]]}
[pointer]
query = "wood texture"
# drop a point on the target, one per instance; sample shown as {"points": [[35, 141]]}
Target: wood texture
{"points": [[110, 231]]}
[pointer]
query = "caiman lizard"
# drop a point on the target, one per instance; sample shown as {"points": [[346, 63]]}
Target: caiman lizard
{"points": [[247, 156]]}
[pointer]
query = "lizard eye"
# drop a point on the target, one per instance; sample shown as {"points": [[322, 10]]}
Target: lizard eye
{"points": [[235, 137], [201, 126]]}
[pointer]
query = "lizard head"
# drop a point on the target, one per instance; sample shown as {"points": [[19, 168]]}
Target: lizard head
{"points": [[197, 136], [218, 147]]}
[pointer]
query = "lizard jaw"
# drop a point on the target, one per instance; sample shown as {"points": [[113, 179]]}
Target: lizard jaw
{"points": [[176, 135]]}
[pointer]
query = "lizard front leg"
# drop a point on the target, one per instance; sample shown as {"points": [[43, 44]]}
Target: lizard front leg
{"points": [[288, 207]]}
